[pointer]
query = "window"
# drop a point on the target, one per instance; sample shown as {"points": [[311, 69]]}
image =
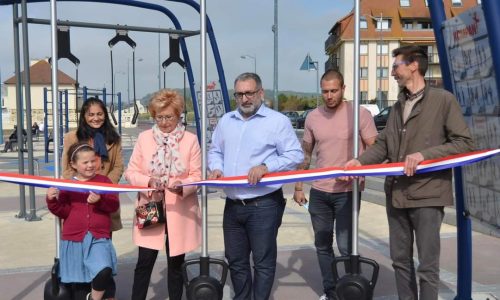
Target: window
{"points": [[404, 3], [426, 3], [382, 49], [424, 25], [456, 2], [407, 25], [432, 54], [479, 2], [385, 95], [384, 25], [364, 73], [362, 23], [364, 96], [363, 49], [382, 72]]}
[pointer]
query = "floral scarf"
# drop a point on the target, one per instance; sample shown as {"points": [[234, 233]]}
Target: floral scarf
{"points": [[167, 159]]}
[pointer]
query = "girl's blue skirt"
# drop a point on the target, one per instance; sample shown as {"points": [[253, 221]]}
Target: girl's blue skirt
{"points": [[81, 261]]}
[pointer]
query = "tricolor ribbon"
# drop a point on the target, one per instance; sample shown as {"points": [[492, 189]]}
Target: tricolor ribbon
{"points": [[426, 166], [70, 185], [272, 178]]}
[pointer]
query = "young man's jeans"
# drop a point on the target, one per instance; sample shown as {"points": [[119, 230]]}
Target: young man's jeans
{"points": [[252, 229], [327, 209]]}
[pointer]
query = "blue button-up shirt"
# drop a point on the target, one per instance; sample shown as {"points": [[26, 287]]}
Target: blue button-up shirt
{"points": [[239, 144]]}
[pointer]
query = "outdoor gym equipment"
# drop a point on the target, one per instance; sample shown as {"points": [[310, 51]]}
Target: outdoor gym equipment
{"points": [[122, 36]]}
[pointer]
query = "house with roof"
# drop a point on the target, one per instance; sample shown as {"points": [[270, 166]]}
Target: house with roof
{"points": [[384, 26], [40, 77]]}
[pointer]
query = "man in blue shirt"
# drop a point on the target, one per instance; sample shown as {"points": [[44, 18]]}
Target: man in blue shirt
{"points": [[252, 140]]}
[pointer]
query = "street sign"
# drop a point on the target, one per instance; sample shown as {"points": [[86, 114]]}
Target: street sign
{"points": [[308, 64]]}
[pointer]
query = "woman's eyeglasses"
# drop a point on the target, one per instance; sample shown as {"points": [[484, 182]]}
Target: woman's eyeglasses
{"points": [[164, 118]]}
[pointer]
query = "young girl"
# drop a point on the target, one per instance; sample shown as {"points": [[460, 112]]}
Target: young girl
{"points": [[87, 254]]}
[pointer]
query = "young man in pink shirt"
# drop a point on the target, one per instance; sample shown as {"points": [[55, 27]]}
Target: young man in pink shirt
{"points": [[329, 129]]}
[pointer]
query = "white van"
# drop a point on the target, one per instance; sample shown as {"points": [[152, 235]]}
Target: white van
{"points": [[373, 108]]}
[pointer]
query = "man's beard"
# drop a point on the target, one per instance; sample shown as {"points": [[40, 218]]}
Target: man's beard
{"points": [[248, 110]]}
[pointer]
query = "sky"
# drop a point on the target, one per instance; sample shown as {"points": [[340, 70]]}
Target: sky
{"points": [[241, 28]]}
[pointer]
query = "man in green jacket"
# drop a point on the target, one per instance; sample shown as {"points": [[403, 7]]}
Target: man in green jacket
{"points": [[425, 123]]}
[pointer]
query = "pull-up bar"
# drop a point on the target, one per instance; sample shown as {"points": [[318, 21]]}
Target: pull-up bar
{"points": [[183, 33]]}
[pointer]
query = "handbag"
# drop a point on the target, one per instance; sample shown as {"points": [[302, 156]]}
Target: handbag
{"points": [[152, 213]]}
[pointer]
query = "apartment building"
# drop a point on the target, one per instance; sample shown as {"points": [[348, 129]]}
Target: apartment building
{"points": [[384, 26]]}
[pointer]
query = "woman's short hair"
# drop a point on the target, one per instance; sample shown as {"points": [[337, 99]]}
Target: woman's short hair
{"points": [[163, 99]]}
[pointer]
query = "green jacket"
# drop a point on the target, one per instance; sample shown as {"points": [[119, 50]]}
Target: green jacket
{"points": [[435, 128]]}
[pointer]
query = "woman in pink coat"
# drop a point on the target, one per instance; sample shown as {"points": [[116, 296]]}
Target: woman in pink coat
{"points": [[165, 157]]}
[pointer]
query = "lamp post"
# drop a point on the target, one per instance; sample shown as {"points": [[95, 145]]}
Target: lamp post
{"points": [[379, 67], [128, 78], [114, 78], [275, 77], [254, 61], [1, 109]]}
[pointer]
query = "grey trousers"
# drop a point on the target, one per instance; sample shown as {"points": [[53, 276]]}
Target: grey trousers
{"points": [[422, 225]]}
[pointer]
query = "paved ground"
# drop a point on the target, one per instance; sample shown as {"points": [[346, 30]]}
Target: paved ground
{"points": [[28, 248]]}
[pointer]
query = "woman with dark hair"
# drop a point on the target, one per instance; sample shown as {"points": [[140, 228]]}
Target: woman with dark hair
{"points": [[95, 128]]}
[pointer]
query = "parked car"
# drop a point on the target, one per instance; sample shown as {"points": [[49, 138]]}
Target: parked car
{"points": [[381, 118], [302, 119], [372, 108], [293, 116]]}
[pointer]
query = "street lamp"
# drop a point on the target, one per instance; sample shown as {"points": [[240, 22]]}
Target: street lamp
{"points": [[128, 77], [114, 79], [379, 67], [254, 61], [1, 109]]}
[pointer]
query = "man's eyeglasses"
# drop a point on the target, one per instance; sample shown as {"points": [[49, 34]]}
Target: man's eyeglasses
{"points": [[396, 64], [249, 94], [164, 118]]}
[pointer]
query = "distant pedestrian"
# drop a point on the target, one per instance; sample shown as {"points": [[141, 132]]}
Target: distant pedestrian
{"points": [[86, 252], [9, 144]]}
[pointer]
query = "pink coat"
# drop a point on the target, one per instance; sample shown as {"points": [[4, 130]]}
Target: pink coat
{"points": [[183, 212]]}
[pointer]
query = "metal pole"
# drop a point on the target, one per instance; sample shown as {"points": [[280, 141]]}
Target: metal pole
{"points": [[159, 64], [355, 184], [183, 33], [379, 96], [120, 113], [464, 224], [128, 81], [203, 47], [19, 107], [317, 84], [55, 116], [275, 78], [1, 110], [255, 63]]}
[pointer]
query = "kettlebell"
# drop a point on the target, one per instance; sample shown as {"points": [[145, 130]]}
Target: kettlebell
{"points": [[205, 287], [353, 285], [54, 289]]}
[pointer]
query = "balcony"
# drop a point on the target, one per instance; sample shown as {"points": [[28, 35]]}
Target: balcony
{"points": [[330, 42], [433, 57]]}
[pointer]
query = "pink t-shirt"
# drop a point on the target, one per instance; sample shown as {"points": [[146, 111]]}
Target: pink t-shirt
{"points": [[331, 131]]}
